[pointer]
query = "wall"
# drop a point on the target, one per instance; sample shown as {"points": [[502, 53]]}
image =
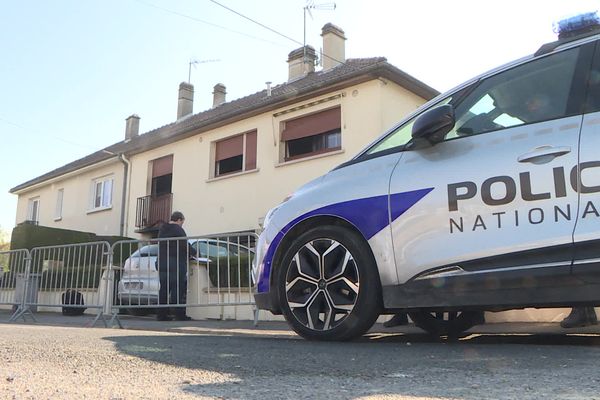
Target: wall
{"points": [[77, 201]]}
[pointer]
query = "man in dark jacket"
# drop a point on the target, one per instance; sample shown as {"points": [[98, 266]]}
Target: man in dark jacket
{"points": [[173, 256]]}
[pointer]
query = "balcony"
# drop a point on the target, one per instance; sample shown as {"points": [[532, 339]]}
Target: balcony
{"points": [[151, 211]]}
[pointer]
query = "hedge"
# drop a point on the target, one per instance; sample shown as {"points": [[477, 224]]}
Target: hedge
{"points": [[28, 236], [228, 272]]}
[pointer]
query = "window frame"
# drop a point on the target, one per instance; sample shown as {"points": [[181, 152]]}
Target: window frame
{"points": [[574, 96], [58, 209], [590, 106], [33, 212], [462, 92], [248, 163], [94, 195], [321, 136]]}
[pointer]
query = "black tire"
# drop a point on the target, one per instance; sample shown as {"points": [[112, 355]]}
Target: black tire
{"points": [[450, 324], [328, 285]]}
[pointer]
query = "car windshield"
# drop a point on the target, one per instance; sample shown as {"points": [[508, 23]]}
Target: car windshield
{"points": [[146, 251], [214, 249], [401, 135]]}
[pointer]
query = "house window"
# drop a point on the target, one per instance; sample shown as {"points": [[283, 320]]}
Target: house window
{"points": [[312, 134], [33, 211], [59, 204], [235, 154], [102, 193]]}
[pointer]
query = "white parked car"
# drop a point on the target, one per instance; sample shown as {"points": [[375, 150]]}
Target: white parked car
{"points": [[139, 284], [486, 198]]}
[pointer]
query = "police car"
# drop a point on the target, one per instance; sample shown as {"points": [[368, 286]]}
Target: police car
{"points": [[487, 198]]}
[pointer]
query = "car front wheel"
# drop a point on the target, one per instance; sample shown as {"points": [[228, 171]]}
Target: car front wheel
{"points": [[328, 285]]}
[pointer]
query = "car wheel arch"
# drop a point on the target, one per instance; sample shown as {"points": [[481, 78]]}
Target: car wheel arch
{"points": [[303, 226]]}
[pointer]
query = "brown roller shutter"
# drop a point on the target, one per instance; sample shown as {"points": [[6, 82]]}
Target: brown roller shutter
{"points": [[229, 148], [250, 151], [162, 166], [313, 124]]}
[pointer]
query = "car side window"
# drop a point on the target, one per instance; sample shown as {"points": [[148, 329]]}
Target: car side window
{"points": [[593, 96], [532, 92]]}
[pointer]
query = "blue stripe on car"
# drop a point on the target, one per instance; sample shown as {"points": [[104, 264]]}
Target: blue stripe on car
{"points": [[369, 215]]}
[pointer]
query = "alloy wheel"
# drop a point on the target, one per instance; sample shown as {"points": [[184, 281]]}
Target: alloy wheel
{"points": [[322, 284]]}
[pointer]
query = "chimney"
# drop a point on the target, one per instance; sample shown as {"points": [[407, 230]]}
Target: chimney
{"points": [[269, 90], [132, 127], [301, 62], [334, 49], [185, 104], [218, 94]]}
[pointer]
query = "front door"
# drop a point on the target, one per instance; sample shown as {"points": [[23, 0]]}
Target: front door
{"points": [[500, 211]]}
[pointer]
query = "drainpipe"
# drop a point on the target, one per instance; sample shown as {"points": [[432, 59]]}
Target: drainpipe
{"points": [[125, 199]]}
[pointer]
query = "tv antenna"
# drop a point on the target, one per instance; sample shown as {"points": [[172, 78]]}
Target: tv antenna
{"points": [[196, 62], [310, 5]]}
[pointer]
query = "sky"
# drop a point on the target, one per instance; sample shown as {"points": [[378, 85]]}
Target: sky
{"points": [[72, 71]]}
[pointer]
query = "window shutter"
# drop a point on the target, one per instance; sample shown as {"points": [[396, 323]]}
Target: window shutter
{"points": [[250, 151], [229, 148], [162, 166], [313, 124]]}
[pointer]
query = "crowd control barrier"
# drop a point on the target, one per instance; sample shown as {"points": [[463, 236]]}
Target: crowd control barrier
{"points": [[97, 278], [212, 272], [13, 279]]}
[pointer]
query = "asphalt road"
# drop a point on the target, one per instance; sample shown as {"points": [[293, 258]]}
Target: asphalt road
{"points": [[41, 362]]}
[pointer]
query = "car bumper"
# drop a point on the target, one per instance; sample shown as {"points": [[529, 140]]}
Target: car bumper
{"points": [[264, 301], [138, 298]]}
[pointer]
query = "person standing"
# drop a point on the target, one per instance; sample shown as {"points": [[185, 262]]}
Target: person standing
{"points": [[173, 256]]}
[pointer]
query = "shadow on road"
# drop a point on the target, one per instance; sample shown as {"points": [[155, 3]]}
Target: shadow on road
{"points": [[549, 339], [406, 365]]}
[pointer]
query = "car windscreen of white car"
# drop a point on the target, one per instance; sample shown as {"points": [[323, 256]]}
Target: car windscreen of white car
{"points": [[146, 251]]}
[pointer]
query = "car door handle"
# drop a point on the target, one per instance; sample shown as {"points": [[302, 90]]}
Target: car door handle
{"points": [[543, 154]]}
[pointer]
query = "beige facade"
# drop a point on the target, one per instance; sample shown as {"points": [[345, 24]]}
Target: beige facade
{"points": [[234, 202], [70, 201], [237, 202]]}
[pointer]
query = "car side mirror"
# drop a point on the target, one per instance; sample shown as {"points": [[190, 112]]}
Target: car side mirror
{"points": [[434, 124]]}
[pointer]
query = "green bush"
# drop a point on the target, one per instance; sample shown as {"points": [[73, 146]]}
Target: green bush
{"points": [[224, 272], [28, 236]]}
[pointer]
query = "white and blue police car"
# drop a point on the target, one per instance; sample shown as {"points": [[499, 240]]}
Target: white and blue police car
{"points": [[487, 198]]}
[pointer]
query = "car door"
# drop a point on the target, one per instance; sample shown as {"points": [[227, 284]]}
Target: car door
{"points": [[499, 212], [587, 232]]}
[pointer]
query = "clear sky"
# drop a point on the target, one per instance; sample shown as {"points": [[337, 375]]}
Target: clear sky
{"points": [[71, 71]]}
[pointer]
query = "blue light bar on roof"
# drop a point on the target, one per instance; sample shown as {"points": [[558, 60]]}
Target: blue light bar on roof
{"points": [[578, 24]]}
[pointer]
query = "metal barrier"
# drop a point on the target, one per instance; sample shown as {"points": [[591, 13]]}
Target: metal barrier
{"points": [[217, 269], [13, 279], [128, 276], [69, 277]]}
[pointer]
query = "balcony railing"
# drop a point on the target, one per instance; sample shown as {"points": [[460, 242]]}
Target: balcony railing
{"points": [[153, 210]]}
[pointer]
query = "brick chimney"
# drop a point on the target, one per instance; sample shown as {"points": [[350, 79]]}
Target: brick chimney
{"points": [[301, 62], [218, 94], [185, 104], [334, 48], [132, 127]]}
